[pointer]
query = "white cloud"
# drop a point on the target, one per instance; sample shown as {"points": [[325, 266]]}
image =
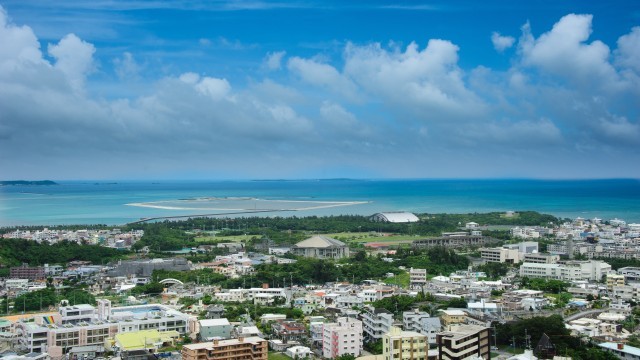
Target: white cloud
{"points": [[322, 75], [509, 135], [273, 61], [126, 67], [74, 57], [216, 88], [411, 108], [428, 80], [19, 44], [619, 130], [628, 53], [501, 43], [190, 78], [563, 52]]}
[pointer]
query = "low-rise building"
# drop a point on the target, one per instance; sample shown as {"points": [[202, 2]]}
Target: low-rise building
{"points": [[214, 329], [500, 255], [630, 273], [250, 348], [621, 350], [27, 272], [453, 316], [321, 247], [149, 340], [288, 330], [82, 325], [541, 258], [591, 270]]}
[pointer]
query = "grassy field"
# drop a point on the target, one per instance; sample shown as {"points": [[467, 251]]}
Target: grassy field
{"points": [[401, 279], [236, 238], [364, 237], [277, 356], [350, 237]]}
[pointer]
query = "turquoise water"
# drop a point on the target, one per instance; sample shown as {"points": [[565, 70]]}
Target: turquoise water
{"points": [[106, 203]]}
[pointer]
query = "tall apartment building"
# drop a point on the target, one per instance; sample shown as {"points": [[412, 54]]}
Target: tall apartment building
{"points": [[249, 348], [463, 342], [614, 280], [27, 272], [375, 322], [342, 337], [417, 278], [409, 345], [423, 323]]}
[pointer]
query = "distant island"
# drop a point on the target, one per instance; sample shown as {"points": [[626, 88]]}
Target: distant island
{"points": [[27, 182]]}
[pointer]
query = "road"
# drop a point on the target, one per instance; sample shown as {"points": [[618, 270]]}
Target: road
{"points": [[584, 313]]}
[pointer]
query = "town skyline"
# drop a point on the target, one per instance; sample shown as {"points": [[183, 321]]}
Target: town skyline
{"points": [[303, 90]]}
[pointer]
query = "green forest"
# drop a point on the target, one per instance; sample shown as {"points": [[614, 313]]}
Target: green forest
{"points": [[174, 235], [14, 252], [43, 299]]}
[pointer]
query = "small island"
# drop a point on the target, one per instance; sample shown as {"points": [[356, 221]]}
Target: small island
{"points": [[27, 182]]}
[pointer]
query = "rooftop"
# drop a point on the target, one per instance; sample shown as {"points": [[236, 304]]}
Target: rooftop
{"points": [[625, 349], [211, 345], [319, 241]]}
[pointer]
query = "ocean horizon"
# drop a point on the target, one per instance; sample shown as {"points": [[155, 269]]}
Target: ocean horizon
{"points": [[117, 202]]}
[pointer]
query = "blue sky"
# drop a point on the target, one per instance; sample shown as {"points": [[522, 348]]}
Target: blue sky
{"points": [[301, 89]]}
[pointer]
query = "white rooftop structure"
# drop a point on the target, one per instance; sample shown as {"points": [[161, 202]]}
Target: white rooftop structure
{"points": [[214, 322], [321, 247], [622, 351], [395, 217]]}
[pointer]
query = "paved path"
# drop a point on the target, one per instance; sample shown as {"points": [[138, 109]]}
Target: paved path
{"points": [[583, 314]]}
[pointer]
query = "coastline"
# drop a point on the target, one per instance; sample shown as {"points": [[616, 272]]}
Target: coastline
{"points": [[81, 202]]}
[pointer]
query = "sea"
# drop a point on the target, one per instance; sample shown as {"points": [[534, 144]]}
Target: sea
{"points": [[121, 202]]}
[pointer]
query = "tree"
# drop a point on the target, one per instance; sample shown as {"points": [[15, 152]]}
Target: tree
{"points": [[396, 304], [346, 357]]}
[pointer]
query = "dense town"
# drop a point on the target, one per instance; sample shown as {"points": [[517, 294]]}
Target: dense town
{"points": [[557, 290]]}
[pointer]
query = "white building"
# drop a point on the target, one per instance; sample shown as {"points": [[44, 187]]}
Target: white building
{"points": [[591, 270], [376, 322], [500, 255], [321, 247], [298, 352], [417, 278], [541, 258], [622, 351], [348, 301], [395, 217], [84, 325], [342, 337], [525, 233], [423, 323]]}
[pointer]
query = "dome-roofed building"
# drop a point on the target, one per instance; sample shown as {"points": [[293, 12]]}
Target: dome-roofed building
{"points": [[321, 247], [395, 217]]}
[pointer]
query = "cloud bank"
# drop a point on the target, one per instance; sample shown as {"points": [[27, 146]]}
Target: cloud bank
{"points": [[564, 108]]}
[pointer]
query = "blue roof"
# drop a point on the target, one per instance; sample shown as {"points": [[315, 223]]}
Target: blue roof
{"points": [[625, 349]]}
